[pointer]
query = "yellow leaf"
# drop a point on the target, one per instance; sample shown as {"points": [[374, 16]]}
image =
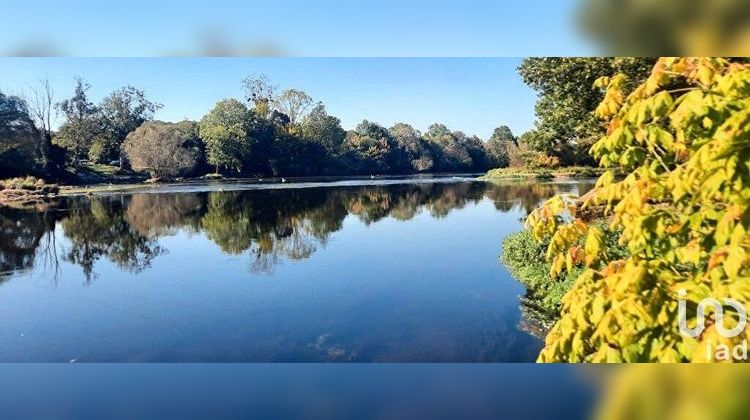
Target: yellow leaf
{"points": [[593, 246]]}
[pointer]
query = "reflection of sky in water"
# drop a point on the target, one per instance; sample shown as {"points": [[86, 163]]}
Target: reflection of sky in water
{"points": [[404, 272]]}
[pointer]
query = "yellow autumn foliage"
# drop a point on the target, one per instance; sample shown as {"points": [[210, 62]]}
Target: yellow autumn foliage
{"points": [[683, 139]]}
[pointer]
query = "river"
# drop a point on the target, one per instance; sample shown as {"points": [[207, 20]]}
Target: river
{"points": [[398, 270]]}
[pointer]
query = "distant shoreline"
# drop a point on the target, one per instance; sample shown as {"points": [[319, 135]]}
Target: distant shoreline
{"points": [[244, 183]]}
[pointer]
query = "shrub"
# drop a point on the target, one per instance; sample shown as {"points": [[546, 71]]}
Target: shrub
{"points": [[26, 192], [538, 160], [28, 183], [525, 259]]}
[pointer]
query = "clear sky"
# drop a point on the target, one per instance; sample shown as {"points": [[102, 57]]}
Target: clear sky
{"points": [[328, 28], [473, 95]]}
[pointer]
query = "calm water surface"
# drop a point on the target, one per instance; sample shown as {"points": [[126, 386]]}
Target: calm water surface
{"points": [[391, 271]]}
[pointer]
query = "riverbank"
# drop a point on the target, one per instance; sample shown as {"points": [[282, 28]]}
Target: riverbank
{"points": [[525, 258], [91, 179], [227, 183], [26, 192], [525, 173]]}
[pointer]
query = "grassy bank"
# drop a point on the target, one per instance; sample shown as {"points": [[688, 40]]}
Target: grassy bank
{"points": [[92, 173], [525, 173], [524, 257], [26, 192]]}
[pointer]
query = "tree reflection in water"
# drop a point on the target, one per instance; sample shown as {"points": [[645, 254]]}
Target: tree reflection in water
{"points": [[269, 225], [22, 235], [97, 228]]}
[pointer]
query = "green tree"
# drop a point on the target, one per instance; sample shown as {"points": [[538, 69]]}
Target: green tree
{"points": [[371, 148], [323, 129], [81, 126], [452, 152], [225, 131], [121, 113], [566, 123], [414, 154], [499, 146], [475, 147], [294, 103], [294, 156]]}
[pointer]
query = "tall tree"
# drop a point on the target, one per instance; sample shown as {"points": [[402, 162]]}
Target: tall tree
{"points": [[42, 109], [476, 149], [225, 132], [81, 124], [122, 111], [323, 129], [413, 155], [567, 99], [259, 91], [372, 147], [294, 103], [498, 146], [453, 155]]}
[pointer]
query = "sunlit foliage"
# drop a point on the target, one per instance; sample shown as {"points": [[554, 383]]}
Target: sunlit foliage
{"points": [[566, 125], [682, 138]]}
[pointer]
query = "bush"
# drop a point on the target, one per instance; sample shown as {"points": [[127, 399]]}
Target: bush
{"points": [[26, 192], [525, 258], [28, 183], [538, 160]]}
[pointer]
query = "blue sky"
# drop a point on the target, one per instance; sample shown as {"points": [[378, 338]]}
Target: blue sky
{"points": [[425, 28], [473, 95]]}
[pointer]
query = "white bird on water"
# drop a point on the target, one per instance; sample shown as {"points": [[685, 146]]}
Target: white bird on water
{"points": [[283, 179]]}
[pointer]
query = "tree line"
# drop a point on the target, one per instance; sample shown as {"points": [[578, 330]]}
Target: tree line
{"points": [[267, 133], [287, 133]]}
